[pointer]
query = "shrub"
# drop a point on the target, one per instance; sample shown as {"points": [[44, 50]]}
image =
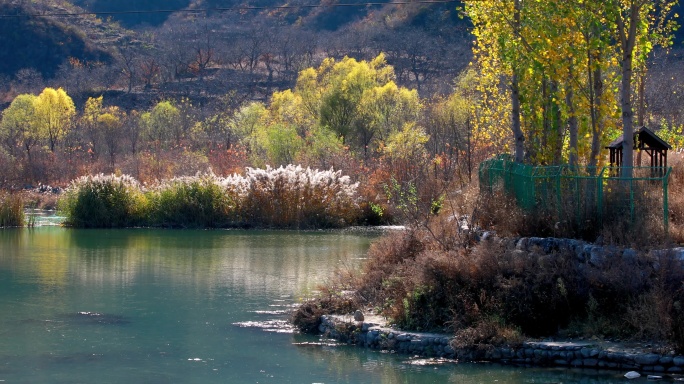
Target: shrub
{"points": [[103, 201], [294, 197], [196, 202], [11, 210]]}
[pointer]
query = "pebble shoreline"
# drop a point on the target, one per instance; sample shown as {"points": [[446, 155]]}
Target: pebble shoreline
{"points": [[583, 354]]}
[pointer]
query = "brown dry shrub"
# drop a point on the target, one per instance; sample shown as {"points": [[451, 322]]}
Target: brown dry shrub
{"points": [[648, 316], [676, 200], [677, 316], [486, 333], [499, 211], [386, 258], [331, 299]]}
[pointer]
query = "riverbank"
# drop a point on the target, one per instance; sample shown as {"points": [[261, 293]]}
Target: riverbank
{"points": [[594, 354], [506, 299]]}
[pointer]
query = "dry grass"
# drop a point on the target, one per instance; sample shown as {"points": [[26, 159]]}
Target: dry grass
{"points": [[11, 210], [676, 198]]}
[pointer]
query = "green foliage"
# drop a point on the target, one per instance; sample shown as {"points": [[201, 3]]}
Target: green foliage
{"points": [[404, 196], [280, 143], [672, 134], [407, 144], [162, 124], [11, 210], [103, 201], [195, 202], [19, 126], [357, 100]]}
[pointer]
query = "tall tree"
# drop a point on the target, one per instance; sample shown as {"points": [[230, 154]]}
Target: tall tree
{"points": [[54, 114], [19, 126], [555, 59], [637, 25]]}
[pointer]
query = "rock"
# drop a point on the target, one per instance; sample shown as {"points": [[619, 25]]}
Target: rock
{"points": [[647, 359], [596, 256], [358, 315], [522, 244], [678, 361], [632, 375]]}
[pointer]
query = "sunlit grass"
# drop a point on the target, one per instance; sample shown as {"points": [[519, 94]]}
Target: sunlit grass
{"points": [[103, 201], [196, 202]]}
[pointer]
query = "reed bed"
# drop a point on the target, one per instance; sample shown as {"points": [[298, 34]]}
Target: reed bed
{"points": [[191, 202], [11, 210], [285, 197], [103, 201]]}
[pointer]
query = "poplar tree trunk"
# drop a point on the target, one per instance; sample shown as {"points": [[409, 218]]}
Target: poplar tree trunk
{"points": [[518, 135], [572, 128], [627, 43], [627, 115]]}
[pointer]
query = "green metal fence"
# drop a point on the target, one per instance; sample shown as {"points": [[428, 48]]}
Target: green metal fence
{"points": [[578, 196]]}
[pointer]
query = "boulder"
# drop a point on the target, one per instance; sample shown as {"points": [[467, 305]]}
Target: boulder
{"points": [[632, 375]]}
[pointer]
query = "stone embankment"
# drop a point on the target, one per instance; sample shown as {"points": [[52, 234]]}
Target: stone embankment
{"points": [[584, 252], [585, 354]]}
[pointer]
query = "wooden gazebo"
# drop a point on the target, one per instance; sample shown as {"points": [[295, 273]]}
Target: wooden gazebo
{"points": [[644, 140]]}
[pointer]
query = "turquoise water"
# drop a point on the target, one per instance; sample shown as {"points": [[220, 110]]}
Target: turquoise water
{"points": [[163, 306]]}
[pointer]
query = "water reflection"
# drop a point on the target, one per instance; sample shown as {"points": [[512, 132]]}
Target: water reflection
{"points": [[152, 306]]}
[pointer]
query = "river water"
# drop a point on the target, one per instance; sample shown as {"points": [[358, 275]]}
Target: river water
{"points": [[166, 306]]}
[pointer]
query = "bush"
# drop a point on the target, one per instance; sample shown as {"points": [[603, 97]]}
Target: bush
{"points": [[196, 202], [103, 201], [11, 210]]}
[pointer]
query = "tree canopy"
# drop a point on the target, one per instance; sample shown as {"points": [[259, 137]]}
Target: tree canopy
{"points": [[548, 70]]}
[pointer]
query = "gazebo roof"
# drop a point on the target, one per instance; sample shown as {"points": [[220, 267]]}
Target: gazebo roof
{"points": [[645, 136]]}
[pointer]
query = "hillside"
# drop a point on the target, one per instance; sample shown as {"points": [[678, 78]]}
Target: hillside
{"points": [[328, 17], [44, 44], [228, 48]]}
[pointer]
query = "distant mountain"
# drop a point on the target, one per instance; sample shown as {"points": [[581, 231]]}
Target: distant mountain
{"points": [[41, 43], [325, 15]]}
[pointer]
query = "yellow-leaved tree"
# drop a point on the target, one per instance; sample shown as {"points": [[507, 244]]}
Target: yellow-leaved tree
{"points": [[546, 70], [54, 113], [19, 129]]}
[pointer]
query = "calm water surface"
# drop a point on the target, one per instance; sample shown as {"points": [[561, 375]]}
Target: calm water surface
{"points": [[162, 306]]}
